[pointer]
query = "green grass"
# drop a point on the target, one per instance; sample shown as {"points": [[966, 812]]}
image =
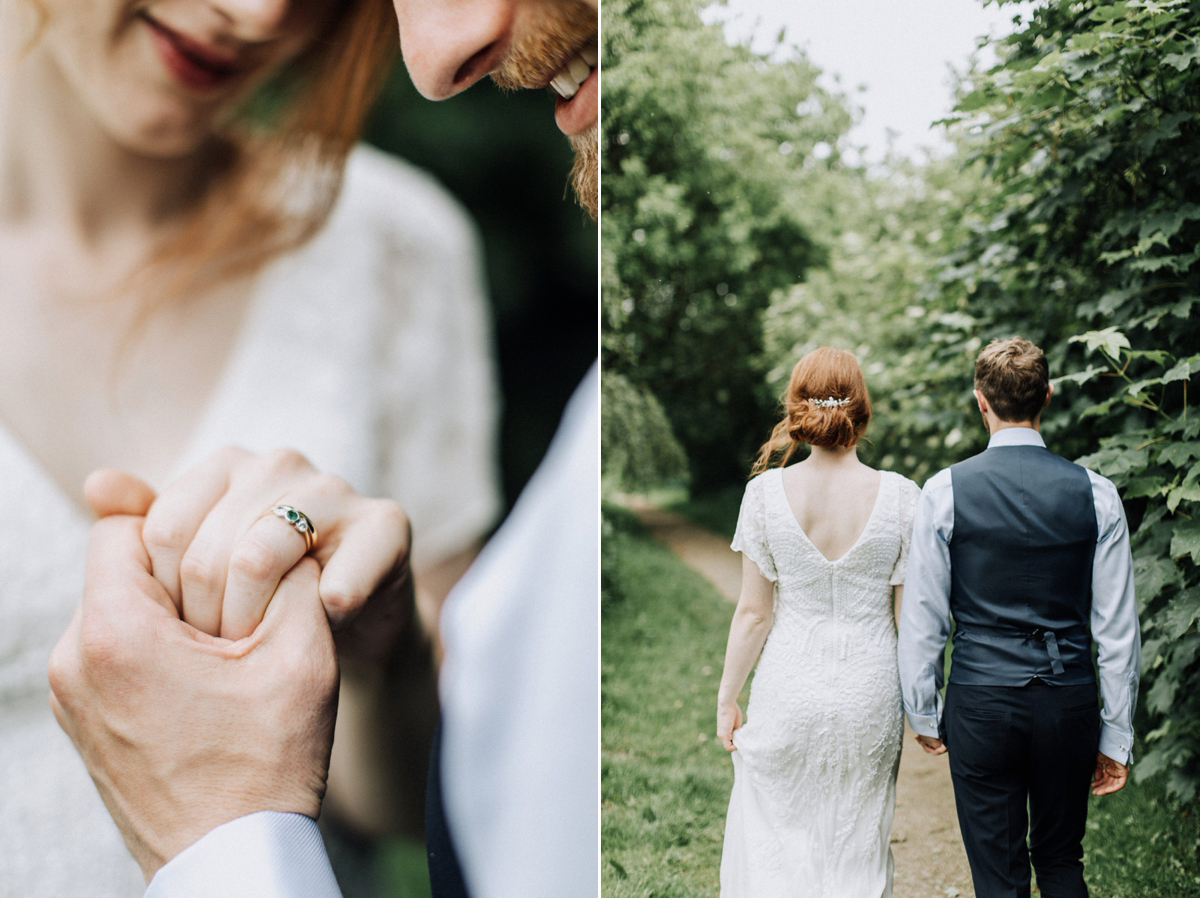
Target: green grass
{"points": [[665, 777], [666, 780], [1139, 844], [404, 869]]}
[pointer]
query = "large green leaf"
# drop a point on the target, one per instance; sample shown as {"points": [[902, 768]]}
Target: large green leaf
{"points": [[1186, 541]]}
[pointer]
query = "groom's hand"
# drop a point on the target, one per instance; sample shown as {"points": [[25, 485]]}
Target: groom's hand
{"points": [[932, 745], [1110, 775], [182, 731]]}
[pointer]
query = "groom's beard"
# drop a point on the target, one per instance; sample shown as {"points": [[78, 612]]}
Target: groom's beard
{"points": [[585, 173], [558, 31]]}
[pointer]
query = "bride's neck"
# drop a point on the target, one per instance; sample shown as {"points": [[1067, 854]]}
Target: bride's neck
{"points": [[60, 170], [833, 457]]}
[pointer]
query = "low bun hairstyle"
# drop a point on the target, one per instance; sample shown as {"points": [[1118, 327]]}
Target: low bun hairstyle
{"points": [[820, 375]]}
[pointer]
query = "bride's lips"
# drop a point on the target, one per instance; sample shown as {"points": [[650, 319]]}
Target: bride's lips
{"points": [[200, 67]]}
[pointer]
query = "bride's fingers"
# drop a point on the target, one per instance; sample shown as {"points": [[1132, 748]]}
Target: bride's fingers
{"points": [[258, 563], [111, 492], [372, 547], [175, 518], [360, 541]]}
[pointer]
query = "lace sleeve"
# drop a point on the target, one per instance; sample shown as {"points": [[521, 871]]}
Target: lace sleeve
{"points": [[438, 393], [907, 501], [751, 536]]}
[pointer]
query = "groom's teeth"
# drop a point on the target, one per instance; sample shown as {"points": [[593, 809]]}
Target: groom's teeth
{"points": [[579, 69], [565, 85], [574, 73]]}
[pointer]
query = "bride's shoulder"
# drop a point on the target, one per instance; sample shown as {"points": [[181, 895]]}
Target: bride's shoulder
{"points": [[758, 481], [908, 488], [756, 485], [383, 194]]}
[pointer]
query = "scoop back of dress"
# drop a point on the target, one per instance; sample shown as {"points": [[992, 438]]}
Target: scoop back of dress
{"points": [[815, 766]]}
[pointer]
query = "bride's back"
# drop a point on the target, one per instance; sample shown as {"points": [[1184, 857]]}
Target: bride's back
{"points": [[832, 502]]}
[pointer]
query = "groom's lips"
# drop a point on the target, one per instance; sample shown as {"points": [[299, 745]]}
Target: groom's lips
{"points": [[577, 84], [579, 113]]}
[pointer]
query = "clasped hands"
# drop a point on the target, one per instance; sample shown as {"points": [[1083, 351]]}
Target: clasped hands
{"points": [[199, 675]]}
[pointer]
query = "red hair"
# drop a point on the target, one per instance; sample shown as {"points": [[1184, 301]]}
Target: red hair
{"points": [[822, 375]]}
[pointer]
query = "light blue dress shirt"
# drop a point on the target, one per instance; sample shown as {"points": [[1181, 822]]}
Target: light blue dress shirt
{"points": [[925, 616], [265, 855]]}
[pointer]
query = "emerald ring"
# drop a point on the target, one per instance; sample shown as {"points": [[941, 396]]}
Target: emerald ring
{"points": [[300, 521]]}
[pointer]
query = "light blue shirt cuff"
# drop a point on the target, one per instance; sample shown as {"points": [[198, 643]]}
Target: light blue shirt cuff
{"points": [[924, 725], [1116, 744], [269, 854]]}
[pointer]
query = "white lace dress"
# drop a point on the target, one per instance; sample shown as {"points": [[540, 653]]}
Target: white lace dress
{"points": [[815, 767], [386, 308]]}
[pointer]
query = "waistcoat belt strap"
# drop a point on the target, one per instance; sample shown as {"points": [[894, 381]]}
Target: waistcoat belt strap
{"points": [[1048, 637]]}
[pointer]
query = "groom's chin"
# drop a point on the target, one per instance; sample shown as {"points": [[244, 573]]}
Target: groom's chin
{"points": [[585, 173]]}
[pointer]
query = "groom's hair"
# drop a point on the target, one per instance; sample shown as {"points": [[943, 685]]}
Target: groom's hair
{"points": [[1014, 377]]}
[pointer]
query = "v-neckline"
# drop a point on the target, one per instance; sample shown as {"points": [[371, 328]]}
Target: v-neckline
{"points": [[185, 457], [810, 543]]}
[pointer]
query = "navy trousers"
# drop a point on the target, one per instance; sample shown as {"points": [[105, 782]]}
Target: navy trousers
{"points": [[445, 873], [1022, 759]]}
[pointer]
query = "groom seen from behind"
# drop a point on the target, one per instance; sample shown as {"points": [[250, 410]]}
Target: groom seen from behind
{"points": [[1027, 555]]}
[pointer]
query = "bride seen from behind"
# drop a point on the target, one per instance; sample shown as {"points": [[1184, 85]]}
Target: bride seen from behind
{"points": [[183, 270], [824, 546]]}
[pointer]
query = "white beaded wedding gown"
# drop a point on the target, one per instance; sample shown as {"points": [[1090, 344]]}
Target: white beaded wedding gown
{"points": [[815, 767]]}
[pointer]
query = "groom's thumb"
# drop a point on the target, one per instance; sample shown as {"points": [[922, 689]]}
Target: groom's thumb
{"points": [[111, 492], [294, 631]]}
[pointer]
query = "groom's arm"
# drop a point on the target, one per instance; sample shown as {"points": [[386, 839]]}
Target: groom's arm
{"points": [[1114, 622], [925, 615]]}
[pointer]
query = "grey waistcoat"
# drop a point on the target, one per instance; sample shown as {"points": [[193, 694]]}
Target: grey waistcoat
{"points": [[1021, 568]]}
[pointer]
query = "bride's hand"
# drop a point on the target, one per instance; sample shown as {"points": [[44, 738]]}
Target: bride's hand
{"points": [[729, 718], [220, 553]]}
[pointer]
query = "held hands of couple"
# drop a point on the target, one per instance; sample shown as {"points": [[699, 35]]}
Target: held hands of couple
{"points": [[199, 676], [183, 731], [931, 744], [220, 554]]}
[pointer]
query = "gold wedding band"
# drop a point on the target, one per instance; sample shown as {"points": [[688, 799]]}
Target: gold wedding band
{"points": [[300, 521]]}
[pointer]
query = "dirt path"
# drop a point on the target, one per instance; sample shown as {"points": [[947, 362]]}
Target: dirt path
{"points": [[926, 845]]}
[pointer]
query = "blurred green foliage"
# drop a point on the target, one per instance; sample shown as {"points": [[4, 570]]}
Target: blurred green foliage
{"points": [[504, 158], [711, 165], [638, 449]]}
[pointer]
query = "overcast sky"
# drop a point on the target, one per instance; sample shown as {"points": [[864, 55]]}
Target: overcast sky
{"points": [[900, 50]]}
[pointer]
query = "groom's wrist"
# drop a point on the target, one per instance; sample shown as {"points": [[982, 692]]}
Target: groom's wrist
{"points": [[1116, 744], [924, 725]]}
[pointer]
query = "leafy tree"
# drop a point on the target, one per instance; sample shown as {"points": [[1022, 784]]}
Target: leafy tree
{"points": [[710, 191], [637, 448]]}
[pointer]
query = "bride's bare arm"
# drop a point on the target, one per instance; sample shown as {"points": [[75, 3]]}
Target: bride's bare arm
{"points": [[751, 624], [897, 603]]}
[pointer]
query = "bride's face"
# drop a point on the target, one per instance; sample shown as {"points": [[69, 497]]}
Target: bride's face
{"points": [[159, 75]]}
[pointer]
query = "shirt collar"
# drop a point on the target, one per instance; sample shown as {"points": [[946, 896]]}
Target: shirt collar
{"points": [[1016, 436]]}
